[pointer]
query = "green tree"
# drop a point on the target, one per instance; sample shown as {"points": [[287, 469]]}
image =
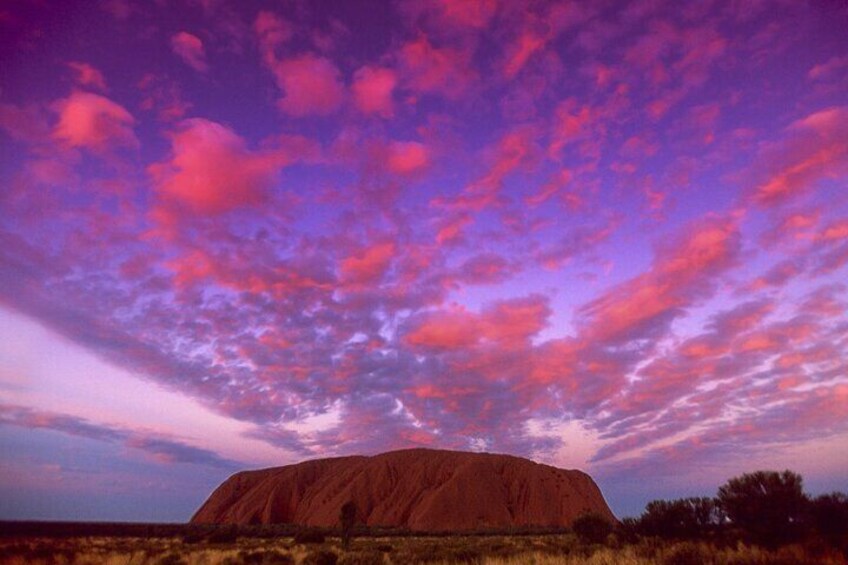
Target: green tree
{"points": [[766, 505], [347, 519]]}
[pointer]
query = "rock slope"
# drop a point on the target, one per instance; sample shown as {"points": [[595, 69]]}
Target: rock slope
{"points": [[419, 489]]}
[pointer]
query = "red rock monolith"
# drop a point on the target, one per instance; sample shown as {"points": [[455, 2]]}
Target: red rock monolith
{"points": [[417, 489]]}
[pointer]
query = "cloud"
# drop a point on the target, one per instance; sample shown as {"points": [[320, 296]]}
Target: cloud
{"points": [[373, 89], [427, 69], [164, 97], [93, 122], [405, 157], [311, 85], [509, 323], [527, 44], [682, 272], [272, 32], [814, 149], [189, 48], [211, 170], [369, 265], [87, 76], [577, 242], [25, 123], [165, 449], [485, 268], [829, 69]]}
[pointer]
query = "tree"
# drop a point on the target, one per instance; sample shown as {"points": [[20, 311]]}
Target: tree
{"points": [[347, 519], [767, 506], [591, 528], [684, 518], [829, 516]]}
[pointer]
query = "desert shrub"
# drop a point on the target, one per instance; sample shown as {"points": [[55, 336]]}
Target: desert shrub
{"points": [[385, 548], [226, 534], [194, 537], [591, 528], [267, 557], [467, 555], [361, 558], [309, 535], [767, 506], [829, 516], [321, 557], [171, 559], [687, 554], [627, 530]]}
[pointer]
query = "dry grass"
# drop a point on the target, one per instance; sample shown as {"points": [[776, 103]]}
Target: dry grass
{"points": [[491, 550]]}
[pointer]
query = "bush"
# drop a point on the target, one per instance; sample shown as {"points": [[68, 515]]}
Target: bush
{"points": [[687, 554], [322, 557], [829, 517], [767, 506], [627, 530], [308, 536], [224, 534], [591, 528], [361, 558], [269, 557], [171, 559]]}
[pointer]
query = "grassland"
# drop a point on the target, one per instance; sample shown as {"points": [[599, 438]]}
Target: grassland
{"points": [[560, 549]]}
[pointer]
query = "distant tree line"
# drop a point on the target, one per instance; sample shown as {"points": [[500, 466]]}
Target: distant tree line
{"points": [[767, 508]]}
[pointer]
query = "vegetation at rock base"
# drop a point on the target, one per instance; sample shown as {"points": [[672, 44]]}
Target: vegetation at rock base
{"points": [[710, 531], [347, 519], [591, 528]]}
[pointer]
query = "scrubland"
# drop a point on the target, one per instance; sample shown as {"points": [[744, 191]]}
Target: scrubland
{"points": [[561, 549]]}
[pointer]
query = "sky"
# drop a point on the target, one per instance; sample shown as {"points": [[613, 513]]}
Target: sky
{"points": [[604, 235]]}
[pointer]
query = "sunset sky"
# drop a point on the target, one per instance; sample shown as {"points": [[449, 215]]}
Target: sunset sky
{"points": [[603, 235]]}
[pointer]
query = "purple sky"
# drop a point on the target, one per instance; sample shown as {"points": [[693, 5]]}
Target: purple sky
{"points": [[603, 235]]}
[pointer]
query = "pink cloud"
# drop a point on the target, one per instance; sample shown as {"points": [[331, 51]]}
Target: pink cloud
{"points": [[163, 97], [680, 273], [311, 85], [445, 330], [815, 149], [434, 70], [369, 265], [514, 321], [272, 32], [189, 48], [93, 122], [373, 88], [486, 268], [211, 170], [835, 231], [830, 68], [86, 75], [405, 157], [451, 228], [470, 13], [527, 44], [509, 323], [28, 123], [572, 123]]}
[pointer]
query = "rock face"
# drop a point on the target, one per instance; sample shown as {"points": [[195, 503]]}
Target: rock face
{"points": [[419, 489]]}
